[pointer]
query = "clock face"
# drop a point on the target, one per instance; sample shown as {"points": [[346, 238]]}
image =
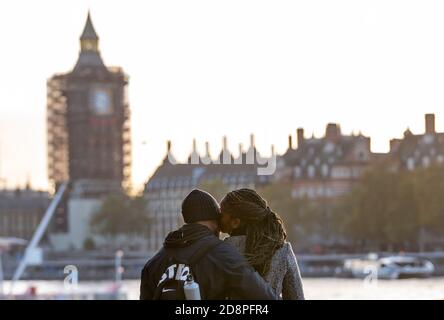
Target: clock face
{"points": [[88, 46], [101, 102]]}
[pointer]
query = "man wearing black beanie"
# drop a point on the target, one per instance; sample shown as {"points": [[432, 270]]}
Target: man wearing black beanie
{"points": [[195, 249]]}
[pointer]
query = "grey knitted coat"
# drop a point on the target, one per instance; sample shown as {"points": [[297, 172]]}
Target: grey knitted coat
{"points": [[284, 276]]}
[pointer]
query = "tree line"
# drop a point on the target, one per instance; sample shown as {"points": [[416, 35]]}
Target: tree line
{"points": [[385, 210]]}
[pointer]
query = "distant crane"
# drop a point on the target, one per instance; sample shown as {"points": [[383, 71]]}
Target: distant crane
{"points": [[38, 233]]}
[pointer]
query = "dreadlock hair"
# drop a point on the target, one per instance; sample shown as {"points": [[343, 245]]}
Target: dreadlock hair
{"points": [[263, 228]]}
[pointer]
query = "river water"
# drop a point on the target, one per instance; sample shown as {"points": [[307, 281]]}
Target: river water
{"points": [[315, 288]]}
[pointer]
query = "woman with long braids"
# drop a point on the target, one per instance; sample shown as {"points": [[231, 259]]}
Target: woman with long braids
{"points": [[258, 233]]}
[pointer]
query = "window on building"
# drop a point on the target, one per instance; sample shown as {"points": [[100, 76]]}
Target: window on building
{"points": [[329, 147], [325, 170], [428, 139], [425, 162], [297, 172], [311, 171], [410, 164]]}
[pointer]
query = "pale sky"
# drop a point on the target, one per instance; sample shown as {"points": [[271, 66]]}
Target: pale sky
{"points": [[204, 69]]}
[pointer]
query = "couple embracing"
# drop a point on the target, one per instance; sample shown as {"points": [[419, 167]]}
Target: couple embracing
{"points": [[254, 262]]}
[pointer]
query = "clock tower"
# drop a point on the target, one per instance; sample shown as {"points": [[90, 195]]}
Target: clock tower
{"points": [[88, 123]]}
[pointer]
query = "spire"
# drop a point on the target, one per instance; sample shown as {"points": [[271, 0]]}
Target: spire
{"points": [[225, 156], [240, 158], [407, 132], [207, 149], [169, 146], [28, 182], [225, 143], [207, 158], [89, 48], [252, 141], [194, 157], [251, 155], [89, 33], [169, 158], [89, 40]]}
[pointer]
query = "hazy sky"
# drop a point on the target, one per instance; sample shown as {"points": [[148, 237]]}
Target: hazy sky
{"points": [[204, 69]]}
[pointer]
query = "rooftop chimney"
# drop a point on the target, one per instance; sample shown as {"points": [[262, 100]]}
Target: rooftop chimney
{"points": [[394, 144], [300, 135], [430, 123], [333, 132], [290, 142]]}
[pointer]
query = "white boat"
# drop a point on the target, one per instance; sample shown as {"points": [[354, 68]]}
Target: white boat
{"points": [[392, 267]]}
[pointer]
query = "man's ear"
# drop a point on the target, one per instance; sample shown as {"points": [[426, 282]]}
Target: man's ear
{"points": [[235, 223]]}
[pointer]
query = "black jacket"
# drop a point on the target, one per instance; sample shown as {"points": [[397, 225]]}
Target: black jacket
{"points": [[222, 273]]}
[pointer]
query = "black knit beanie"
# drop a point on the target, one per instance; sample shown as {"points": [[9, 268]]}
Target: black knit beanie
{"points": [[199, 205]]}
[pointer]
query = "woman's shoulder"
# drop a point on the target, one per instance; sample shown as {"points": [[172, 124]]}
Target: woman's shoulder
{"points": [[285, 252], [286, 248]]}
